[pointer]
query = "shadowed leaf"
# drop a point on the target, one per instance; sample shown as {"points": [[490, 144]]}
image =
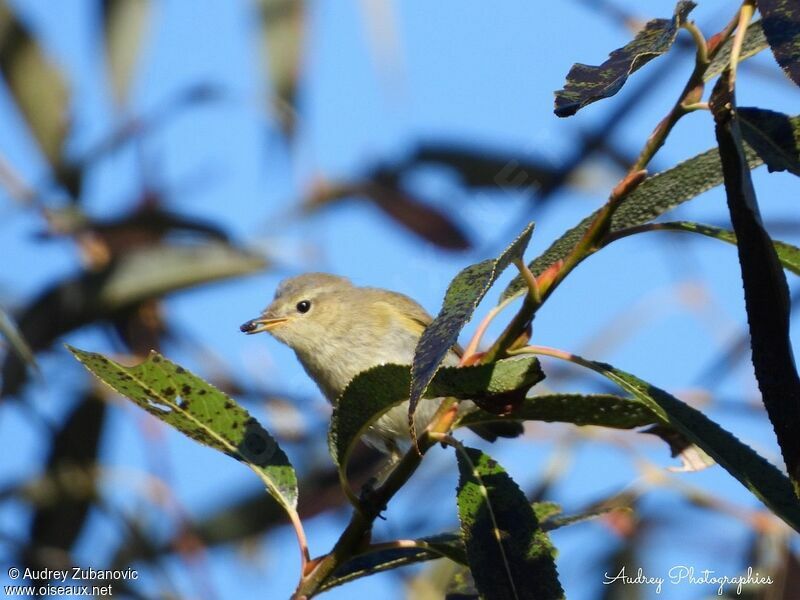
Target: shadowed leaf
{"points": [[766, 293], [202, 412], [655, 196], [765, 481], [781, 22], [603, 410], [772, 136], [385, 192], [447, 545], [481, 168], [754, 42], [375, 391], [586, 84], [125, 23], [510, 556], [38, 87], [462, 297], [60, 517], [137, 276]]}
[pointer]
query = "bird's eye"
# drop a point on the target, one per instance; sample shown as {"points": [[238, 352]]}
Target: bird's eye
{"points": [[303, 306]]}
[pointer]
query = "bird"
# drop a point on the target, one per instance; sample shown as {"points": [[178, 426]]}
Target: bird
{"points": [[338, 330]]}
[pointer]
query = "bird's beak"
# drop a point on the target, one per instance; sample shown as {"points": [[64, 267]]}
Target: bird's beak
{"points": [[262, 323]]}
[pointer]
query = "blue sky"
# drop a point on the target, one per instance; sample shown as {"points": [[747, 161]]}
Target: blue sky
{"points": [[474, 73]]}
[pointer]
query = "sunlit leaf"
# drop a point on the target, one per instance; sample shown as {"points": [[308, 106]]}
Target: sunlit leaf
{"points": [[202, 412], [602, 410], [282, 25], [144, 274], [655, 196], [510, 556], [37, 85], [462, 297], [125, 24], [765, 481], [766, 292], [788, 255], [375, 391], [781, 22], [586, 84]]}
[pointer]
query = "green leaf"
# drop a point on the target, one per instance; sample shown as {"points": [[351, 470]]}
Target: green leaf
{"points": [[765, 481], [655, 196], [157, 270], [754, 42], [202, 412], [603, 410], [373, 392], [37, 85], [788, 255], [772, 136], [282, 35], [125, 22], [766, 292], [510, 556], [444, 545], [781, 21], [15, 339], [586, 84], [462, 297]]}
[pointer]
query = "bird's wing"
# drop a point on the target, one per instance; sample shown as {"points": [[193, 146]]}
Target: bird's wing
{"points": [[417, 317]]}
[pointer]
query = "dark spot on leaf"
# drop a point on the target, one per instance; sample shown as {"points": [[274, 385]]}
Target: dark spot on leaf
{"points": [[186, 389], [180, 370], [202, 392], [168, 391]]}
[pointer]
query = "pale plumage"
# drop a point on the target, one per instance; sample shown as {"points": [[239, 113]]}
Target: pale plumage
{"points": [[338, 330]]}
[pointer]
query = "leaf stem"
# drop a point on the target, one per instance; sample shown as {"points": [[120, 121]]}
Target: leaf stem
{"points": [[745, 16], [360, 526]]}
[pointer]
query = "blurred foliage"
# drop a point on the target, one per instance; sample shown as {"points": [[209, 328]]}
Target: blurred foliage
{"points": [[129, 264]]}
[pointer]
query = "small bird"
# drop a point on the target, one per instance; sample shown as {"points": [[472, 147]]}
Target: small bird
{"points": [[337, 330]]}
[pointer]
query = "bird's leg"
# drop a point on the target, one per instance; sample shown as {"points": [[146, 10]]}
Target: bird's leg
{"points": [[366, 497]]}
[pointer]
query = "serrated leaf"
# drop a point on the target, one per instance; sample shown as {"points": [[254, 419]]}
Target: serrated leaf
{"points": [[754, 42], [462, 297], [510, 556], [781, 22], [373, 392], [602, 410], [125, 22], [788, 255], [766, 292], [37, 85], [772, 136], [202, 412], [655, 196], [586, 84], [765, 481]]}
